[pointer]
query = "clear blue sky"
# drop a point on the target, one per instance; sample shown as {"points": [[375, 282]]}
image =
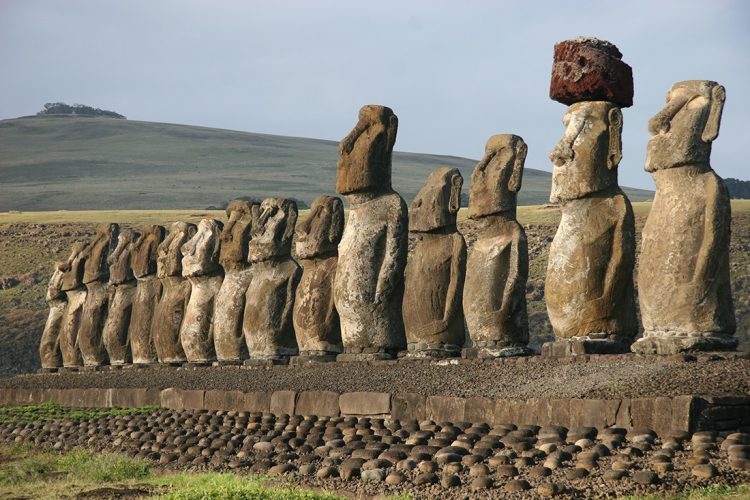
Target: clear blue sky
{"points": [[454, 72]]}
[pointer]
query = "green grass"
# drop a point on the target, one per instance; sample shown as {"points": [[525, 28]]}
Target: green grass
{"points": [[30, 473], [45, 412], [80, 163]]}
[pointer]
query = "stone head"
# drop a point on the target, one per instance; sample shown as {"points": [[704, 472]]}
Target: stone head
{"points": [[496, 179], [682, 132], [274, 229], [200, 255], [119, 260], [437, 203], [169, 252], [235, 237], [97, 252], [586, 158], [321, 232], [72, 268], [364, 163], [145, 250]]}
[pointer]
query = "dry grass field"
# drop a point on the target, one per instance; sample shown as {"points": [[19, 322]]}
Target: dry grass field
{"points": [[30, 242]]}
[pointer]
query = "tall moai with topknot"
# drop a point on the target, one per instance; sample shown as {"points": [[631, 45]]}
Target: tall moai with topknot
{"points": [[589, 287], [435, 269], [498, 266], [75, 295], [122, 288], [683, 276], [267, 324], [49, 346], [200, 265], [369, 285], [316, 321], [148, 293], [175, 294], [96, 277], [230, 303]]}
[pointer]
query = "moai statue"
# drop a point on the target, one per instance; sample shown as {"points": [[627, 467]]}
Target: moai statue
{"points": [[230, 303], [49, 347], [170, 311], [267, 323], [121, 294], [435, 269], [95, 277], [589, 286], [148, 294], [75, 295], [316, 321], [369, 285], [498, 265], [200, 265], [683, 277]]}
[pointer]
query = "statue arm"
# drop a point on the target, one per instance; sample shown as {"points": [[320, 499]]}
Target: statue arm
{"points": [[291, 289], [715, 232], [391, 269], [517, 276], [456, 285]]}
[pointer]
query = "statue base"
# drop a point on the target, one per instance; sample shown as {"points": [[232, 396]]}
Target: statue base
{"points": [[93, 368], [70, 369], [669, 344], [267, 361], [311, 357], [495, 352], [197, 364], [423, 350], [48, 370], [367, 356], [577, 346], [138, 366], [227, 362]]}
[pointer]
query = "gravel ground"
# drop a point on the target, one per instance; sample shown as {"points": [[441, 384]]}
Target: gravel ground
{"points": [[365, 457], [596, 377]]}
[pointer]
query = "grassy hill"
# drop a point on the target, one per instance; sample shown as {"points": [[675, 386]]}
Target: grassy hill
{"points": [[81, 163]]}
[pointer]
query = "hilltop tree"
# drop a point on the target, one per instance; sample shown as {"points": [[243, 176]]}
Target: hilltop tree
{"points": [[60, 108]]}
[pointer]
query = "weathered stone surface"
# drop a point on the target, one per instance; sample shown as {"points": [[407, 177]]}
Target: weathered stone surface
{"points": [[49, 346], [283, 402], [316, 321], [175, 294], [445, 408], [685, 244], [365, 403], [409, 406], [494, 297], [318, 403], [95, 276], [589, 287], [145, 251], [200, 265], [179, 399], [267, 324], [587, 69], [435, 270], [121, 294], [148, 294], [75, 295], [369, 285]]}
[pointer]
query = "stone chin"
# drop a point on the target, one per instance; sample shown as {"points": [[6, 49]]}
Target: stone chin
{"points": [[570, 182]]}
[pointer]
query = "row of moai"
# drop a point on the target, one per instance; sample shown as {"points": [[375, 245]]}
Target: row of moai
{"points": [[233, 293]]}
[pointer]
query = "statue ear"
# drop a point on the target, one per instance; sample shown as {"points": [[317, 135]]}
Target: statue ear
{"points": [[615, 138], [711, 130], [336, 228], [521, 150], [454, 203], [216, 241], [392, 129]]}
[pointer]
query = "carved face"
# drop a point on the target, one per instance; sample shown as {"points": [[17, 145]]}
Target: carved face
{"points": [[145, 250], [119, 260], [682, 132], [437, 203], [169, 252], [97, 252], [497, 177], [586, 158], [274, 229], [200, 255], [72, 268], [321, 232], [236, 233], [364, 162]]}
